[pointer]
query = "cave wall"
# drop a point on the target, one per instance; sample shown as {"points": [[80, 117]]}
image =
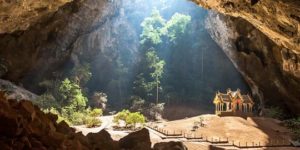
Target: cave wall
{"points": [[37, 38], [258, 58], [31, 53], [278, 19], [262, 40]]}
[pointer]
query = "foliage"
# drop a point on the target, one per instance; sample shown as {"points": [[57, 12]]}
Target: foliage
{"points": [[95, 112], [137, 103], [294, 125], [121, 116], [177, 25], [99, 100], [46, 101], [275, 112], [77, 118], [72, 96], [92, 122], [130, 118], [87, 116], [144, 85], [134, 118], [81, 73], [60, 117], [153, 28], [156, 64]]}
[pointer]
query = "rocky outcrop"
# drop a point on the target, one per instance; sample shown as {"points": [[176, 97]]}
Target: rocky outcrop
{"points": [[265, 48], [13, 91], [25, 126], [169, 145], [278, 19], [259, 59], [136, 141], [41, 49], [20, 15], [102, 140]]}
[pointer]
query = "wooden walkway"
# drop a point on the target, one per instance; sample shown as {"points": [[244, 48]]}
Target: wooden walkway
{"points": [[202, 142]]}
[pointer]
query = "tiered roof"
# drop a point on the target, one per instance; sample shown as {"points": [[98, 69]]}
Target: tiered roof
{"points": [[230, 96]]}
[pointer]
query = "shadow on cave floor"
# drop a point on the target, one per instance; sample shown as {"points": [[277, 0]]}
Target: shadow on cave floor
{"points": [[183, 110], [244, 133]]}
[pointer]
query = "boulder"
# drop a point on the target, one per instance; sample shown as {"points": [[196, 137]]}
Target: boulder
{"points": [[102, 141], [169, 146], [139, 140]]}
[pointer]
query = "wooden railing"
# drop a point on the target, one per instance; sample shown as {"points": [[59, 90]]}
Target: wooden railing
{"points": [[201, 138]]}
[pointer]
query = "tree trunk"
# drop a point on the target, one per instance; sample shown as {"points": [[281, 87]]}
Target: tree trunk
{"points": [[156, 90]]}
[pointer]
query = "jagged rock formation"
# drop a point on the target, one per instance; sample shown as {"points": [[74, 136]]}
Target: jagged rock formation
{"points": [[43, 47], [169, 146], [25, 126], [15, 92], [37, 38], [266, 52], [278, 19], [21, 15], [258, 58]]}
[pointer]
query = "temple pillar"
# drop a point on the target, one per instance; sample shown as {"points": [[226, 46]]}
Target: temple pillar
{"points": [[222, 107]]}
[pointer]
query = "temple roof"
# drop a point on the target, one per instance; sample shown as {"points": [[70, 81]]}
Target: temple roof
{"points": [[232, 95], [247, 99], [224, 97]]}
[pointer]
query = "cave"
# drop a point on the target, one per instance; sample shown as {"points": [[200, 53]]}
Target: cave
{"points": [[63, 61]]}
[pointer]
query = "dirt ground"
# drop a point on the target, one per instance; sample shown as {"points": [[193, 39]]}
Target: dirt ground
{"points": [[251, 130], [237, 129]]}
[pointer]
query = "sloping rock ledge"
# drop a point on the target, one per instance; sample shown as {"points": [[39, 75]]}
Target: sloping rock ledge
{"points": [[24, 126]]}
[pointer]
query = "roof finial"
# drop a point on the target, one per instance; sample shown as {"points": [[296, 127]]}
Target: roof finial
{"points": [[228, 90]]}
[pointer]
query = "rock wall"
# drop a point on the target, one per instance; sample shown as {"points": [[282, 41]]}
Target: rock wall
{"points": [[13, 91], [278, 19], [259, 59], [42, 48], [20, 15], [25, 126], [37, 38]]}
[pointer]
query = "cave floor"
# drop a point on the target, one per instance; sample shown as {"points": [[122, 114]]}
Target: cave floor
{"points": [[239, 130]]}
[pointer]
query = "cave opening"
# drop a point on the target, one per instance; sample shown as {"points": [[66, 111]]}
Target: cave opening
{"points": [[128, 74], [113, 59]]}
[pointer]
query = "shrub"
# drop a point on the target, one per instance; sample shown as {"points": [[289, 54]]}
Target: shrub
{"points": [[137, 103], [46, 101], [134, 118], [121, 116], [95, 112], [77, 118], [129, 118], [60, 117], [294, 126], [275, 112], [92, 122]]}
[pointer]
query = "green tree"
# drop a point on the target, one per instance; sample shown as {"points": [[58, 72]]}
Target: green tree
{"points": [[81, 73], [176, 26], [157, 65], [71, 95], [153, 28]]}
